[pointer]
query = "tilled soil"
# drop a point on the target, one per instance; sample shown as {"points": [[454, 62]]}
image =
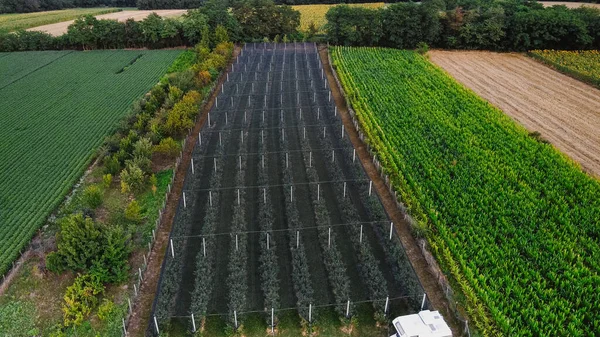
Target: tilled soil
{"points": [[60, 28], [139, 319], [566, 112], [434, 292]]}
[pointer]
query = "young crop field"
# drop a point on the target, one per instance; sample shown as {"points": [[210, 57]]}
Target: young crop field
{"points": [[514, 221], [16, 21], [315, 14], [278, 218], [583, 65], [57, 107]]}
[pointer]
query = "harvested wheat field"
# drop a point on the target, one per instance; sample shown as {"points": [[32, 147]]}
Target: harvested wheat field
{"points": [[564, 111]]}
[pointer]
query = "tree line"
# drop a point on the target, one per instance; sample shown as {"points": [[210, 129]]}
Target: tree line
{"points": [[251, 20], [466, 24]]}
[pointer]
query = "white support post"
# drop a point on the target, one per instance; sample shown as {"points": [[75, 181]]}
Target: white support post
{"points": [[226, 118], [318, 192], [153, 235], [332, 156], [245, 118], [268, 243], [314, 97], [300, 113], [240, 160], [156, 326], [348, 309], [361, 234], [193, 323], [262, 136], [387, 303], [273, 321], [192, 164], [423, 301], [236, 242], [297, 239], [265, 195], [129, 303], [172, 249], [238, 195], [335, 111], [222, 88], [310, 159], [263, 161], [292, 193], [210, 198], [184, 203], [242, 135], [329, 96], [215, 163], [216, 105], [124, 327], [329, 237], [342, 135], [209, 119], [227, 77], [235, 318], [323, 132], [318, 113], [199, 138], [391, 229], [263, 113], [283, 134], [353, 155], [370, 187], [204, 246], [145, 260], [344, 189], [310, 313], [287, 160], [134, 289], [220, 140], [304, 132]]}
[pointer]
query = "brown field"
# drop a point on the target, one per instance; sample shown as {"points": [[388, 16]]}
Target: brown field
{"points": [[569, 4], [60, 28], [564, 111]]}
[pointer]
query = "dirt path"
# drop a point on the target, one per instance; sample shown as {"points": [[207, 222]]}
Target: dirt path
{"points": [[142, 307], [564, 111], [434, 291], [60, 28]]}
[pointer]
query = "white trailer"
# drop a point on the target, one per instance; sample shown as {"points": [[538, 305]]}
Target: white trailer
{"points": [[424, 324]]}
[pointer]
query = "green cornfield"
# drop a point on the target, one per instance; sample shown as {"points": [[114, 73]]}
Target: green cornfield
{"points": [[514, 221], [56, 108]]}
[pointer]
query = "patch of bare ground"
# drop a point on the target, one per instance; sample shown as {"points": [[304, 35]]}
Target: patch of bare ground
{"points": [[565, 111], [142, 308], [434, 292], [569, 4]]}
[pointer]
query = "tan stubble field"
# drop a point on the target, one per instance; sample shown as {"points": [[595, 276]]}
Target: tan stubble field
{"points": [[564, 111]]}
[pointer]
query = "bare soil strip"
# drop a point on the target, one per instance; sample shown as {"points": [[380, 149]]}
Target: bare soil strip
{"points": [[140, 317], [435, 294], [60, 28], [569, 4], [566, 112]]}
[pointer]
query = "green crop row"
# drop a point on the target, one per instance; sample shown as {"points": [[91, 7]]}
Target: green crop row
{"points": [[57, 107], [515, 222]]}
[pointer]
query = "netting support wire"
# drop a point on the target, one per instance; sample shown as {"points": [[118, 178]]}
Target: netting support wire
{"points": [[423, 302], [124, 327], [172, 249], [387, 302], [184, 202], [156, 326], [370, 187], [361, 234], [348, 309], [391, 229]]}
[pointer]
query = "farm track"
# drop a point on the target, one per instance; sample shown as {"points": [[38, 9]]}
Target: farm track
{"points": [[564, 111], [140, 317], [427, 279]]}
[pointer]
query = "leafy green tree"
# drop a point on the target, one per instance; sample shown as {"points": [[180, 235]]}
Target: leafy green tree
{"points": [[81, 298], [194, 22], [92, 196]]}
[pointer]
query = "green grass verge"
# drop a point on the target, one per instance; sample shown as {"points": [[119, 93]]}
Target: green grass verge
{"points": [[16, 21]]}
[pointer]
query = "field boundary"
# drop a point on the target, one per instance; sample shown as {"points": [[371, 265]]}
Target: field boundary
{"points": [[139, 316], [433, 280]]}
